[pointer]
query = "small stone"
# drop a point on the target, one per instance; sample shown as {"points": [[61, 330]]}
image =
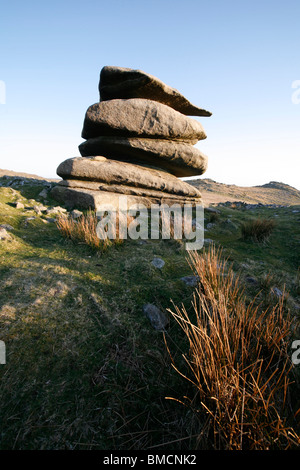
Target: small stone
{"points": [[37, 210], [190, 281], [196, 224], [212, 210], [158, 319], [6, 227], [42, 208], [4, 235], [276, 291], [27, 220], [19, 205], [56, 210], [43, 194], [75, 214], [158, 263]]}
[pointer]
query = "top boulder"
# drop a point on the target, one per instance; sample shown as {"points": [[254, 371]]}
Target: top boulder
{"points": [[124, 83]]}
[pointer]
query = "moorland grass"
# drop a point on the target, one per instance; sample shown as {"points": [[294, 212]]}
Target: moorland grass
{"points": [[238, 363], [258, 230], [85, 369]]}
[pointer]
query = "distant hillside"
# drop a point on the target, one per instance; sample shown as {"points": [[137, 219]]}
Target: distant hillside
{"points": [[270, 193], [214, 192], [24, 175]]}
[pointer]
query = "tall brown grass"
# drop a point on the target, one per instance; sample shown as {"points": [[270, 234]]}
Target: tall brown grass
{"points": [[258, 230], [83, 230], [238, 362]]}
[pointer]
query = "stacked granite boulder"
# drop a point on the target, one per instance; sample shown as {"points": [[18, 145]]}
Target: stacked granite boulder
{"points": [[139, 140]]}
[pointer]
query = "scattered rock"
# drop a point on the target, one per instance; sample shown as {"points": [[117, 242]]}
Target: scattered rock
{"points": [[75, 214], [56, 210], [4, 235], [197, 224], [245, 265], [27, 220], [212, 210], [42, 208], [158, 319], [37, 209], [19, 205], [43, 194], [191, 281], [208, 240], [158, 263], [6, 227], [251, 280], [277, 292]]}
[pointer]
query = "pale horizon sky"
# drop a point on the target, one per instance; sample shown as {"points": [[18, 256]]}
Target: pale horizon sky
{"points": [[239, 59]]}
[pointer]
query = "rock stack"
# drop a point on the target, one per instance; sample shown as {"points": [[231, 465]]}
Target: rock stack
{"points": [[139, 140]]}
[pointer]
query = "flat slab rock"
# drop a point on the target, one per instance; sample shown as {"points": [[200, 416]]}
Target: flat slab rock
{"points": [[180, 159], [125, 83], [74, 196], [140, 118], [130, 178], [125, 190]]}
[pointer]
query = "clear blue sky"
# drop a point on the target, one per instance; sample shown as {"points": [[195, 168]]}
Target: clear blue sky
{"points": [[237, 58]]}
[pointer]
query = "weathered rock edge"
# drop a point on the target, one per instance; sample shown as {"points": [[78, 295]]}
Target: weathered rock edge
{"points": [[111, 173], [124, 83], [180, 159], [90, 199], [140, 118]]}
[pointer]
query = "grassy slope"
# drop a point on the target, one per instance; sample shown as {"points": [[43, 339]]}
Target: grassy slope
{"points": [[85, 369]]}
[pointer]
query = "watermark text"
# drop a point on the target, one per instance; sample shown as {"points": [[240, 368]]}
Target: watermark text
{"points": [[2, 353], [296, 93], [296, 353], [2, 92], [160, 221]]}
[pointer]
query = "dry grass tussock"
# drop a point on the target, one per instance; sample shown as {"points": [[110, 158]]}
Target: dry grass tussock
{"points": [[238, 363], [84, 230], [257, 230]]}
